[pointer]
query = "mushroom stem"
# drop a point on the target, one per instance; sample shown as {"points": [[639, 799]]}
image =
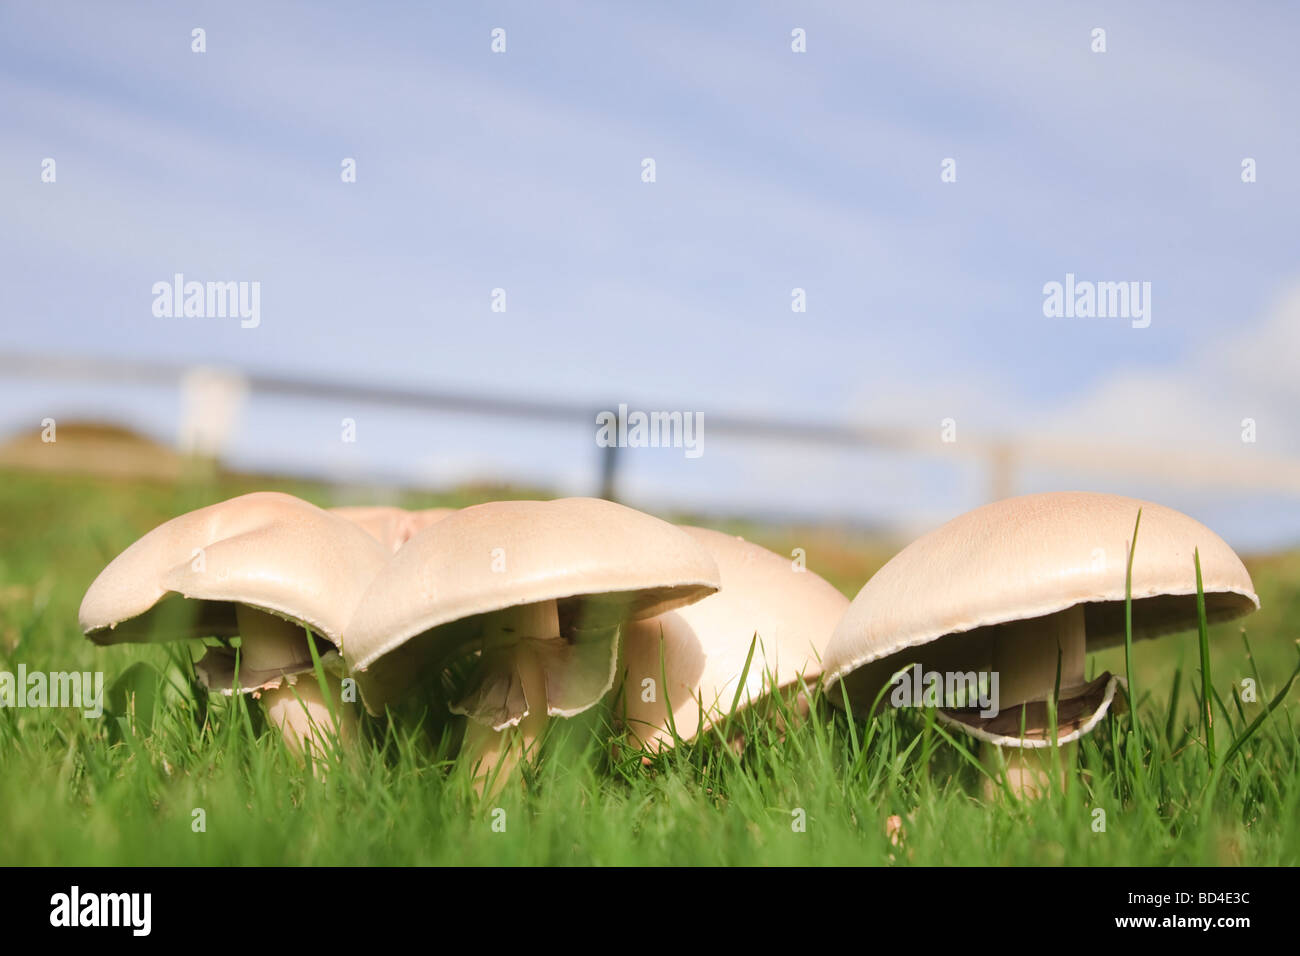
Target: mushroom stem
{"points": [[1024, 655], [268, 642], [299, 709], [1031, 772], [1023, 658], [494, 751], [302, 712]]}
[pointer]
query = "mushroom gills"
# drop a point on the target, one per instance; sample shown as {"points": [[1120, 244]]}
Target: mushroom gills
{"points": [[1020, 654], [268, 642], [527, 673], [271, 648], [275, 665]]}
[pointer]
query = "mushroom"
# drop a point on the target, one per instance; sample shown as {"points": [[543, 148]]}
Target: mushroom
{"points": [[698, 653], [266, 567], [391, 526], [534, 593], [1001, 591]]}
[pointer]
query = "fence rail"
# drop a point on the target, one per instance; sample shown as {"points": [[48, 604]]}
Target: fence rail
{"points": [[1002, 456]]}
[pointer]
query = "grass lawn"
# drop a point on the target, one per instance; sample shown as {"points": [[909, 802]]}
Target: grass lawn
{"points": [[127, 788]]}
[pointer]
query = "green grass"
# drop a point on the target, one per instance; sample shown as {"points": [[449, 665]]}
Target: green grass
{"points": [[123, 789]]}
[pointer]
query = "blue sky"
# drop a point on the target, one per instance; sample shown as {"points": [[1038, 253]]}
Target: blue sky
{"points": [[775, 170]]}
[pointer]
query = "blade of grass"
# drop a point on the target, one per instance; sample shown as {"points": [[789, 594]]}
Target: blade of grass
{"points": [[663, 687], [744, 674], [1128, 636], [1203, 633], [1259, 721], [1174, 693]]}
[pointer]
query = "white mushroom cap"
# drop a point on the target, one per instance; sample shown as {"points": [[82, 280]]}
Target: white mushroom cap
{"points": [[1030, 557], [792, 613], [268, 551], [421, 518], [602, 562], [391, 526]]}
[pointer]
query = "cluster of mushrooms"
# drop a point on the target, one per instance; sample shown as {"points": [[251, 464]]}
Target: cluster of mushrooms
{"points": [[544, 608]]}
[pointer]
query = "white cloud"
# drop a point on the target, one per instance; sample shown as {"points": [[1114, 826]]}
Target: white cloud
{"points": [[1199, 403]]}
